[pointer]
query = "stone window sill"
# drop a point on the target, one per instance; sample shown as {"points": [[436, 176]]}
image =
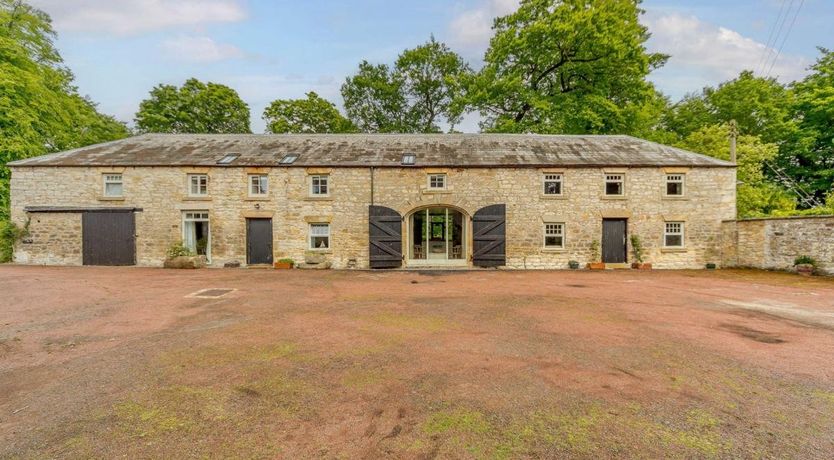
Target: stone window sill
{"points": [[673, 250], [675, 198], [111, 198], [319, 198], [440, 190], [613, 197], [321, 251], [258, 198], [554, 197], [554, 250], [196, 198]]}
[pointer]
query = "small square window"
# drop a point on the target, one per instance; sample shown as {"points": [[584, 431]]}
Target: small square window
{"points": [[258, 184], [113, 185], [409, 159], [319, 236], [437, 181], [554, 236], [198, 184], [552, 184], [674, 184], [320, 185], [614, 184], [673, 235]]}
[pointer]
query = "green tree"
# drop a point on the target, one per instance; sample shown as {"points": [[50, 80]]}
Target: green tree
{"points": [[420, 91], [310, 115], [756, 194], [196, 107], [40, 108], [572, 66], [808, 155], [760, 106]]}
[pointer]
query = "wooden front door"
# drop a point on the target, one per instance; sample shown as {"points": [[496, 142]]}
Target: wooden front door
{"points": [[259, 241], [614, 241], [108, 238], [489, 236], [386, 237]]}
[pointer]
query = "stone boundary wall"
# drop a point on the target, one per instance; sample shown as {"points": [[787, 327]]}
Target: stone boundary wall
{"points": [[774, 243]]}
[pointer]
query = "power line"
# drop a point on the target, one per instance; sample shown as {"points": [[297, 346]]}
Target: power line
{"points": [[785, 39], [766, 51], [778, 33]]}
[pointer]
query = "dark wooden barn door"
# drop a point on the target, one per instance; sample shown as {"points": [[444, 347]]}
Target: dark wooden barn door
{"points": [[108, 238], [386, 237], [614, 241], [258, 241], [489, 236]]}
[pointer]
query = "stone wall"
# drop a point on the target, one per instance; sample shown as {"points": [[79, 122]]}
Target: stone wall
{"points": [[774, 243], [162, 194], [53, 239]]}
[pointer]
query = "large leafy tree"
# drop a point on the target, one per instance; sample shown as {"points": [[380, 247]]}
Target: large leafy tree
{"points": [[566, 66], [196, 107], [421, 91], [40, 108], [310, 115], [760, 106], [808, 154], [756, 195]]}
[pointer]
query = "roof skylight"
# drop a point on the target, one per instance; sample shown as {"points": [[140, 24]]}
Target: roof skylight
{"points": [[228, 159], [409, 159], [288, 159]]}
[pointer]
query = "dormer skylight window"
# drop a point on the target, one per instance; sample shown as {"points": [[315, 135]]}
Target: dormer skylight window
{"points": [[289, 159], [409, 159], [228, 159]]}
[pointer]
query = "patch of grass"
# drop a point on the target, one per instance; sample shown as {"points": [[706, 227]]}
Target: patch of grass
{"points": [[825, 395], [144, 421], [428, 323], [459, 421], [358, 378]]}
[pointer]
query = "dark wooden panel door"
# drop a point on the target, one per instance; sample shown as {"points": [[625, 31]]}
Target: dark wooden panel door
{"points": [[489, 236], [614, 241], [386, 237], [258, 241], [108, 238]]}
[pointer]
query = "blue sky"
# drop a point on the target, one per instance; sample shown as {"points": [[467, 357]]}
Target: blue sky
{"points": [[120, 49]]}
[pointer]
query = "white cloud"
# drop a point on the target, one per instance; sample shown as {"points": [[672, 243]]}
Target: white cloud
{"points": [[128, 17], [710, 53], [200, 49], [473, 28]]}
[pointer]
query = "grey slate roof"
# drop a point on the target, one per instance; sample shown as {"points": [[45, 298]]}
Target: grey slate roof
{"points": [[381, 150]]}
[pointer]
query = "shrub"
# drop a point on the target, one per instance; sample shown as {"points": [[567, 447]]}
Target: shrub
{"points": [[637, 248], [179, 250], [286, 261], [805, 260], [10, 233], [595, 251]]}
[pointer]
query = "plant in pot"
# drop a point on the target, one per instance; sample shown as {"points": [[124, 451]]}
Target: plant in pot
{"points": [[573, 264], [180, 256], [805, 265], [596, 263], [284, 264], [637, 249]]}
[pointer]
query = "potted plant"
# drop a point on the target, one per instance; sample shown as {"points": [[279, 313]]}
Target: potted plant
{"points": [[284, 264], [573, 264], [711, 266], [597, 264], [637, 249], [805, 265]]}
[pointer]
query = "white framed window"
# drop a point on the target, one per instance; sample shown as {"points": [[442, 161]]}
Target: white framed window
{"points": [[258, 185], [615, 184], [553, 184], [673, 235], [196, 235], [437, 181], [320, 236], [320, 185], [198, 184], [113, 185], [675, 184], [554, 235]]}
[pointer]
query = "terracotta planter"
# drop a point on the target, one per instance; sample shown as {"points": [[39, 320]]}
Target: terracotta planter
{"points": [[805, 269], [596, 266], [283, 265], [641, 266]]}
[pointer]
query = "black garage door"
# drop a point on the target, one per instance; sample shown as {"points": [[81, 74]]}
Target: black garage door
{"points": [[108, 237]]}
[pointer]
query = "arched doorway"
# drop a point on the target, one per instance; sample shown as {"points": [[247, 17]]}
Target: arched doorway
{"points": [[437, 235]]}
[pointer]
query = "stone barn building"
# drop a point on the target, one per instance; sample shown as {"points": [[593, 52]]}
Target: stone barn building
{"points": [[374, 201]]}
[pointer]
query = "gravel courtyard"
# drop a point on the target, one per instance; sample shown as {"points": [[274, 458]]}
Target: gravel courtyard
{"points": [[134, 362]]}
